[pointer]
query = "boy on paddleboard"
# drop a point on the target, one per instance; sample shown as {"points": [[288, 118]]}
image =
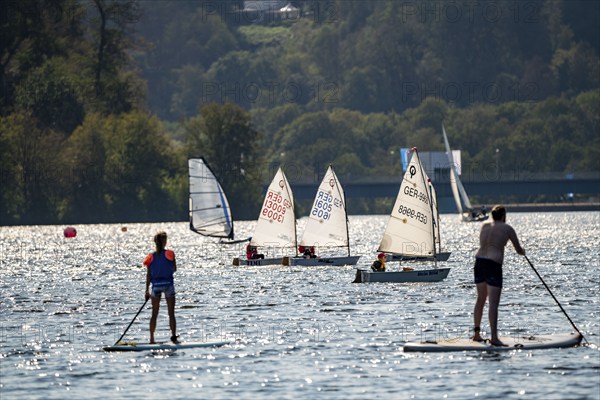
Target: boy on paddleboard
{"points": [[160, 268], [488, 269]]}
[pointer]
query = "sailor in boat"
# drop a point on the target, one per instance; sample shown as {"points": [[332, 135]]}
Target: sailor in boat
{"points": [[379, 264], [479, 214], [488, 269], [307, 251], [160, 268], [252, 253]]}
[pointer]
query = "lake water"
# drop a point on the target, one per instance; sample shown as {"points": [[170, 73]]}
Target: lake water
{"points": [[297, 332]]}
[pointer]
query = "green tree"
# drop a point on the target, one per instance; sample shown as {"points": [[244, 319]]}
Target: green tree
{"points": [[179, 38], [269, 120], [123, 167], [193, 88], [116, 89], [31, 33], [85, 158], [29, 167], [52, 94]]}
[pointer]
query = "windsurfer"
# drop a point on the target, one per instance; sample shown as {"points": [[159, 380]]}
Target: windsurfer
{"points": [[493, 237]]}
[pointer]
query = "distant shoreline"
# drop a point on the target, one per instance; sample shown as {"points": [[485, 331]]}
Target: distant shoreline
{"points": [[516, 207], [535, 207]]}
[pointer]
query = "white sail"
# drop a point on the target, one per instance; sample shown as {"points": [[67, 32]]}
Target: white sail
{"points": [[210, 214], [458, 190], [327, 224], [409, 230], [276, 225]]}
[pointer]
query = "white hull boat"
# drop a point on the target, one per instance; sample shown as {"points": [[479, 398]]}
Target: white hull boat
{"points": [[443, 256], [422, 275], [324, 261], [259, 261]]}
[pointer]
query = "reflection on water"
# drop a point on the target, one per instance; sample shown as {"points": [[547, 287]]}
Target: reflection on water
{"points": [[297, 331]]}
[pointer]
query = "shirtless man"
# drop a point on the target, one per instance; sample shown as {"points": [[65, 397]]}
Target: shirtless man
{"points": [[488, 269]]}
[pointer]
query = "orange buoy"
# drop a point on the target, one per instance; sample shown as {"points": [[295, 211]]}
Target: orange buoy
{"points": [[70, 232]]}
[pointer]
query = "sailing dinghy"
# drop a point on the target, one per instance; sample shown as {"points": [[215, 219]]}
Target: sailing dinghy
{"points": [[210, 214], [327, 225], [276, 225], [411, 229], [467, 213]]}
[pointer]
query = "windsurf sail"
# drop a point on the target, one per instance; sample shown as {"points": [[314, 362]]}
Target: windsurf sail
{"points": [[210, 214]]}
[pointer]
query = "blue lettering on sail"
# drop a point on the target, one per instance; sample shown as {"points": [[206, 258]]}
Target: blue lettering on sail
{"points": [[323, 205]]}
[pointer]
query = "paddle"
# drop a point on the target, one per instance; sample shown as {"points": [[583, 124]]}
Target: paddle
{"points": [[561, 307], [131, 323]]}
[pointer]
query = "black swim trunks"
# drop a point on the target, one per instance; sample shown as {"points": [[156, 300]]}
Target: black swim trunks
{"points": [[488, 271]]}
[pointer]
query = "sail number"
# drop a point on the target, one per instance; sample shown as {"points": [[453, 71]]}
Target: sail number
{"points": [[324, 204], [409, 212], [275, 207], [417, 194]]}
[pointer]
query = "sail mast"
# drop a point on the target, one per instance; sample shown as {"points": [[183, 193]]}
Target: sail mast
{"points": [[428, 185], [347, 229], [437, 220], [343, 195], [288, 189], [434, 223]]}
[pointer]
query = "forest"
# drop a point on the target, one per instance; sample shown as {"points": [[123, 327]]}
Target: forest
{"points": [[103, 101]]}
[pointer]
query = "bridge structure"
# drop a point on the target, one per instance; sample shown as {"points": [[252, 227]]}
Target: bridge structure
{"points": [[497, 191]]}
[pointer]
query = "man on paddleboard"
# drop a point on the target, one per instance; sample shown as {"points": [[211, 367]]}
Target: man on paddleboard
{"points": [[160, 268], [488, 269]]}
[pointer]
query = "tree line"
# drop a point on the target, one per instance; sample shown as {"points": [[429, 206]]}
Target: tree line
{"points": [[103, 101]]}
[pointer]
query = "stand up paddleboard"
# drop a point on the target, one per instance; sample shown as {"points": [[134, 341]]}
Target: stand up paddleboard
{"points": [[512, 343], [131, 346]]}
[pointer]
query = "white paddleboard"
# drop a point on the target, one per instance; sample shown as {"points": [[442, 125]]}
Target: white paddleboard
{"points": [[132, 346], [511, 342]]}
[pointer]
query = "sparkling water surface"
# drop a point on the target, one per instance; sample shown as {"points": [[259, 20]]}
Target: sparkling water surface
{"points": [[296, 332]]}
